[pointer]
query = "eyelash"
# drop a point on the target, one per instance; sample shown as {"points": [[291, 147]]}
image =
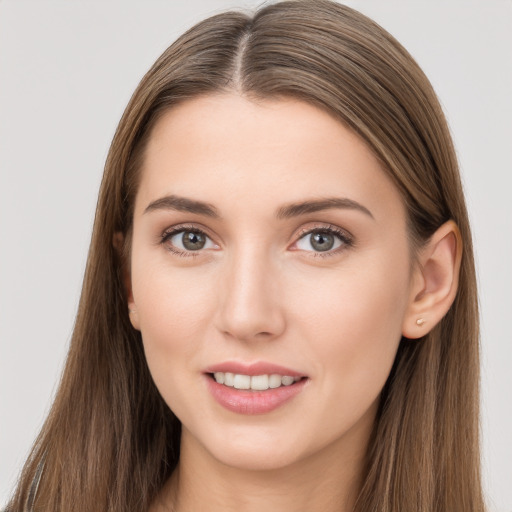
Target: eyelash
{"points": [[345, 238], [169, 233]]}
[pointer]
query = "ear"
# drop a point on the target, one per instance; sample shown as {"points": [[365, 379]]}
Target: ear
{"points": [[435, 281], [118, 242]]}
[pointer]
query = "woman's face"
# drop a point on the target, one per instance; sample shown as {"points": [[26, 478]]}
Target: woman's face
{"points": [[267, 243]]}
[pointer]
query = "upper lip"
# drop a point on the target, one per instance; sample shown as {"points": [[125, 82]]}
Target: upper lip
{"points": [[252, 369]]}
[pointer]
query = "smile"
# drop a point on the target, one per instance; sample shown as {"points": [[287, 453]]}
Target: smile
{"points": [[254, 382], [252, 391]]}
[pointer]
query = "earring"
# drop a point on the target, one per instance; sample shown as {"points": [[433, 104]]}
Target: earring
{"points": [[420, 322]]}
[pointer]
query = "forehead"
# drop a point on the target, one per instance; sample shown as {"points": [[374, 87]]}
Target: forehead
{"points": [[225, 148]]}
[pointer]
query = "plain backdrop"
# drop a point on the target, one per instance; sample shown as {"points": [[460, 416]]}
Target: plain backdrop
{"points": [[67, 70]]}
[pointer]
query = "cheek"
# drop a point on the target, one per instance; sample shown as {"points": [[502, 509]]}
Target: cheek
{"points": [[352, 320], [173, 307]]}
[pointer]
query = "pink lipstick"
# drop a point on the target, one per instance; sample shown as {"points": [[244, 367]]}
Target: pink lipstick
{"points": [[255, 388]]}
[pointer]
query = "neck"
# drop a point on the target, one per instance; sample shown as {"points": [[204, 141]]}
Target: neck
{"points": [[326, 481]]}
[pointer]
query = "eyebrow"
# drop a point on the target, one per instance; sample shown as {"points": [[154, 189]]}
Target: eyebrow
{"points": [[329, 203], [184, 204]]}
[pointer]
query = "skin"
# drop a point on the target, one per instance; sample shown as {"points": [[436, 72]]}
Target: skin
{"points": [[259, 291]]}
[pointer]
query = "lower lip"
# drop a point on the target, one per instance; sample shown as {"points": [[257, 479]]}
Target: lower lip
{"points": [[253, 402]]}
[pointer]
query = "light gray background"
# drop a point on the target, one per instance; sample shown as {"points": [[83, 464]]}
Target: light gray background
{"points": [[68, 68]]}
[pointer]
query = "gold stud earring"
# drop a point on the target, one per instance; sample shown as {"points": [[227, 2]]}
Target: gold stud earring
{"points": [[420, 322]]}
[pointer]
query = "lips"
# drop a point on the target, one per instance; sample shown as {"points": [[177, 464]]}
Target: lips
{"points": [[257, 368], [256, 388]]}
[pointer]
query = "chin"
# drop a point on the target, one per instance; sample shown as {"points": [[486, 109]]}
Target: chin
{"points": [[256, 448], [257, 459]]}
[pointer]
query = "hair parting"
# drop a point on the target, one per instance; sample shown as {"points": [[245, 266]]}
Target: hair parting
{"points": [[110, 442]]}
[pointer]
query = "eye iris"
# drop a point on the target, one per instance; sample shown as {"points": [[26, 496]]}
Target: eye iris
{"points": [[193, 241], [322, 241]]}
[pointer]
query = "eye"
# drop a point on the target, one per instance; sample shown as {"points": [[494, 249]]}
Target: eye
{"points": [[324, 240], [186, 241]]}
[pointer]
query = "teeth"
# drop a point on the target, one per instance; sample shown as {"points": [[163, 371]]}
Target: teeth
{"points": [[229, 379], [259, 382], [242, 382], [256, 382], [287, 381], [274, 381]]}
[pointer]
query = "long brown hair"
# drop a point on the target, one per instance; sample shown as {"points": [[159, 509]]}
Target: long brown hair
{"points": [[110, 442]]}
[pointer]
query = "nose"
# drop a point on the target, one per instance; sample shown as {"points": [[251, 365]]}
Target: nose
{"points": [[249, 308]]}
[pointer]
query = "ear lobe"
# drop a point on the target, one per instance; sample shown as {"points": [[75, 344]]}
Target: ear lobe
{"points": [[435, 281], [118, 242]]}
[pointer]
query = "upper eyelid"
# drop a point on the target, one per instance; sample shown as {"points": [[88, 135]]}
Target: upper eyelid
{"points": [[328, 227], [302, 231], [172, 230]]}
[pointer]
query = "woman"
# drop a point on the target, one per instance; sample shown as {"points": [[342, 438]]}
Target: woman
{"points": [[279, 308]]}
